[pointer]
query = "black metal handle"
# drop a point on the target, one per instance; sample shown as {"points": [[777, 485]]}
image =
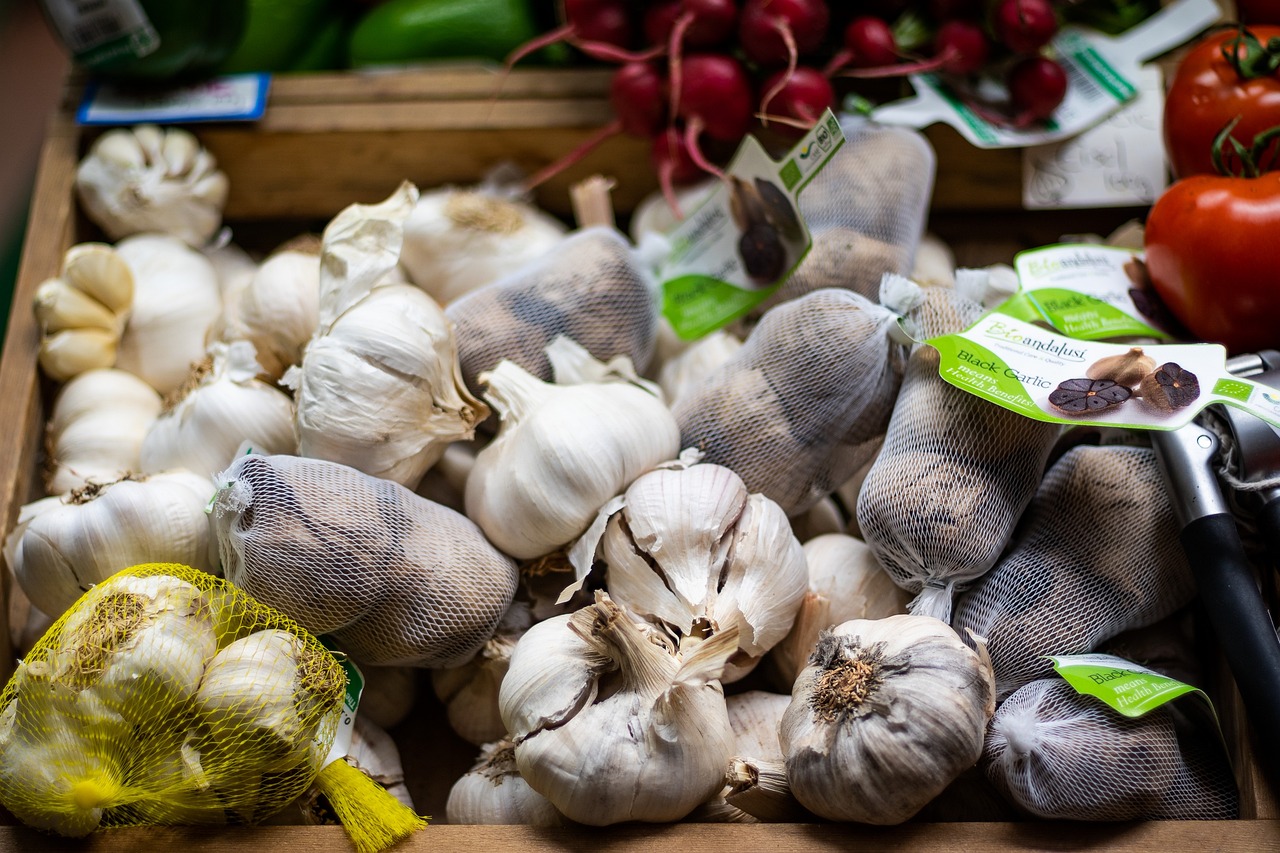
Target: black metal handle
{"points": [[1243, 626]]}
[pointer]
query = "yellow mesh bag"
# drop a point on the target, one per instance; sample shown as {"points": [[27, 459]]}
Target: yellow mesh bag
{"points": [[168, 696]]}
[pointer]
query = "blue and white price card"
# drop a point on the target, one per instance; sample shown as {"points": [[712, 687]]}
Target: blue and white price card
{"points": [[234, 97]]}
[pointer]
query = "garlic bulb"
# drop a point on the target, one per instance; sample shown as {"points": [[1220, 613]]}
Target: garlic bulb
{"points": [[823, 518], [756, 777], [87, 535], [176, 301], [470, 692], [389, 694], [887, 713], [561, 451], [493, 793], [653, 215], [221, 405], [139, 643], [686, 369], [688, 548], [458, 240], [82, 312], [935, 262], [96, 429], [611, 723], [379, 388], [845, 582], [266, 690], [149, 179], [233, 266], [279, 309]]}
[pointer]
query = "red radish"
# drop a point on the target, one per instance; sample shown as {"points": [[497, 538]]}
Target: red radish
{"points": [[775, 32], [715, 93], [711, 22], [599, 28], [638, 94], [801, 98], [1037, 86], [868, 43], [964, 44], [1024, 26]]}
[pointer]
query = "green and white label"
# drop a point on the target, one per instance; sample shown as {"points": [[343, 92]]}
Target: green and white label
{"points": [[1126, 687], [747, 237], [1033, 370], [350, 703], [100, 31], [1091, 292]]}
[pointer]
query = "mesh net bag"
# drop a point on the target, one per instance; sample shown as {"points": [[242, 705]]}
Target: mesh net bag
{"points": [[955, 473], [1097, 554], [1060, 755], [866, 211], [394, 578], [167, 696], [803, 403], [590, 288]]}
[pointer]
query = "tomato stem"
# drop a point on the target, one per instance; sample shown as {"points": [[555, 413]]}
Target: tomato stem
{"points": [[1249, 57], [1253, 160]]}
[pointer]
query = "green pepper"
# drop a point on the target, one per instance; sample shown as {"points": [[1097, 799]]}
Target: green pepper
{"points": [[278, 33], [401, 31]]}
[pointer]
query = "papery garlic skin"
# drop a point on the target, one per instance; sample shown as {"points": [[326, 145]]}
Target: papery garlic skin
{"points": [[222, 405], [82, 538], [886, 715], [846, 582], [560, 453], [690, 549], [96, 428], [651, 748], [279, 309], [458, 240], [176, 301], [379, 388], [494, 793], [141, 179]]}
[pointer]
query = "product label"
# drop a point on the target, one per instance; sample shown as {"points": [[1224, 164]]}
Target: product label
{"points": [[1101, 77], [234, 97], [1126, 687], [747, 237], [1037, 372], [1090, 292], [101, 31], [350, 702]]}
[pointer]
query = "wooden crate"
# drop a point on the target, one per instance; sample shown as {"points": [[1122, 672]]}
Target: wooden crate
{"points": [[330, 140]]}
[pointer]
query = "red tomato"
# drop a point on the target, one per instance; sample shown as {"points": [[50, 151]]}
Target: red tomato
{"points": [[1207, 92], [1211, 254]]}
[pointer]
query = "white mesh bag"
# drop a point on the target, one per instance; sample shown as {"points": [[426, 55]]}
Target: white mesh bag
{"points": [[395, 578], [1096, 554], [590, 287], [803, 403], [866, 211], [944, 495], [1057, 754]]}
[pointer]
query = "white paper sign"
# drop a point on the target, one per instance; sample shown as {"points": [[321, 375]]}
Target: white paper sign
{"points": [[1118, 163]]}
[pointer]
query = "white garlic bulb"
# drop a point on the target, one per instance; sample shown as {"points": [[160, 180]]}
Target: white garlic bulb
{"points": [[494, 793], [233, 266], [221, 405], [457, 240], [689, 367], [688, 548], [279, 309], [470, 691], [176, 301], [934, 264], [82, 312], [756, 777], [379, 388], [389, 693], [96, 428], [81, 538], [653, 215], [846, 582], [885, 716], [146, 178], [560, 453], [613, 724]]}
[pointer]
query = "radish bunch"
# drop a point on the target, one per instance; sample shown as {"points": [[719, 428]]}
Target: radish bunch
{"points": [[695, 72]]}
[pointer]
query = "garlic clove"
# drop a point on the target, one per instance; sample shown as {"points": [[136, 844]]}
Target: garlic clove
{"points": [[494, 793], [120, 148], [69, 353], [97, 270], [60, 306], [178, 151]]}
